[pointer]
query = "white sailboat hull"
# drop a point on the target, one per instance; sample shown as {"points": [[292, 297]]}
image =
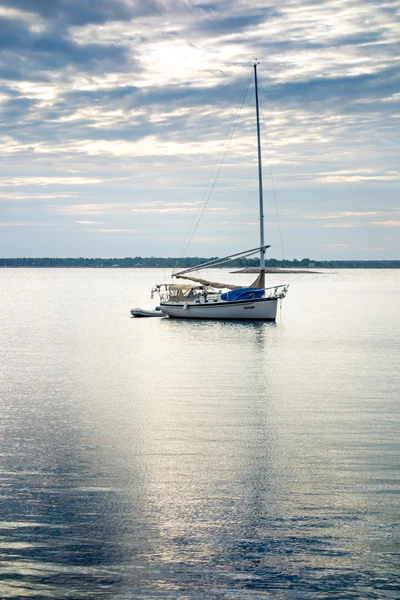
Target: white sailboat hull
{"points": [[262, 309]]}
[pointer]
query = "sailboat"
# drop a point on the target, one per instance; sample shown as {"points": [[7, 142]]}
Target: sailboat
{"points": [[199, 298]]}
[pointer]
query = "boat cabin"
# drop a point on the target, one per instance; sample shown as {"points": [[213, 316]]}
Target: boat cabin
{"points": [[182, 292]]}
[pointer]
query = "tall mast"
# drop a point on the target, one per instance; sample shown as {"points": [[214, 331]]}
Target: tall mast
{"points": [[260, 183]]}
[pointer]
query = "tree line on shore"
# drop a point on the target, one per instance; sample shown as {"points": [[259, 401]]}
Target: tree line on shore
{"points": [[168, 263]]}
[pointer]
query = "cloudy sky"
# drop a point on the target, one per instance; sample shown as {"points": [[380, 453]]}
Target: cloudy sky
{"points": [[116, 114]]}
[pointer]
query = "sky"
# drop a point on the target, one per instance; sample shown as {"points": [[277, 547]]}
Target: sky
{"points": [[118, 136]]}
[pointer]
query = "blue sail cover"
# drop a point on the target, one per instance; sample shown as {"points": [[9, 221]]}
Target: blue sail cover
{"points": [[249, 293]]}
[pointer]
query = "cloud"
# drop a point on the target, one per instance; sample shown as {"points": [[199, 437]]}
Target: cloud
{"points": [[340, 225], [88, 209], [31, 20], [66, 12], [357, 178], [45, 181], [346, 214], [387, 223], [323, 217], [13, 224], [35, 196], [87, 222], [175, 210], [37, 224], [124, 102], [117, 230], [365, 213]]}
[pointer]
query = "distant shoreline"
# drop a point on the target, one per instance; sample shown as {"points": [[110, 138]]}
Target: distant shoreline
{"points": [[254, 270], [272, 265]]}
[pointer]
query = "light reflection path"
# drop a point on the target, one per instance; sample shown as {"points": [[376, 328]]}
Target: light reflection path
{"points": [[157, 458]]}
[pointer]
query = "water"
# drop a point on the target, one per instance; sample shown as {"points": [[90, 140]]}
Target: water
{"points": [[165, 459]]}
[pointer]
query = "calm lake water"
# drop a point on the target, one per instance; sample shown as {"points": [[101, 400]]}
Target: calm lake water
{"points": [[164, 459]]}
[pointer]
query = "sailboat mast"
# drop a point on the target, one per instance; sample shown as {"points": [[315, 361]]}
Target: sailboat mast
{"points": [[260, 183]]}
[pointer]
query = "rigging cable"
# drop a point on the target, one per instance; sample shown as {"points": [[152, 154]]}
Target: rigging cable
{"points": [[199, 213]]}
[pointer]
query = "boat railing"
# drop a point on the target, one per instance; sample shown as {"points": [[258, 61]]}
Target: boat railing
{"points": [[277, 291], [165, 295]]}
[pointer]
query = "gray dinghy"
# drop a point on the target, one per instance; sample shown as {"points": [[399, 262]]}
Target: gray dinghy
{"points": [[141, 312]]}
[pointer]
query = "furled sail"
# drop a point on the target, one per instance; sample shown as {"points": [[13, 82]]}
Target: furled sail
{"points": [[214, 284], [260, 281]]}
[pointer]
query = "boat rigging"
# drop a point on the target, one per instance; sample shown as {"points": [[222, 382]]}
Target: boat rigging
{"points": [[208, 299]]}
